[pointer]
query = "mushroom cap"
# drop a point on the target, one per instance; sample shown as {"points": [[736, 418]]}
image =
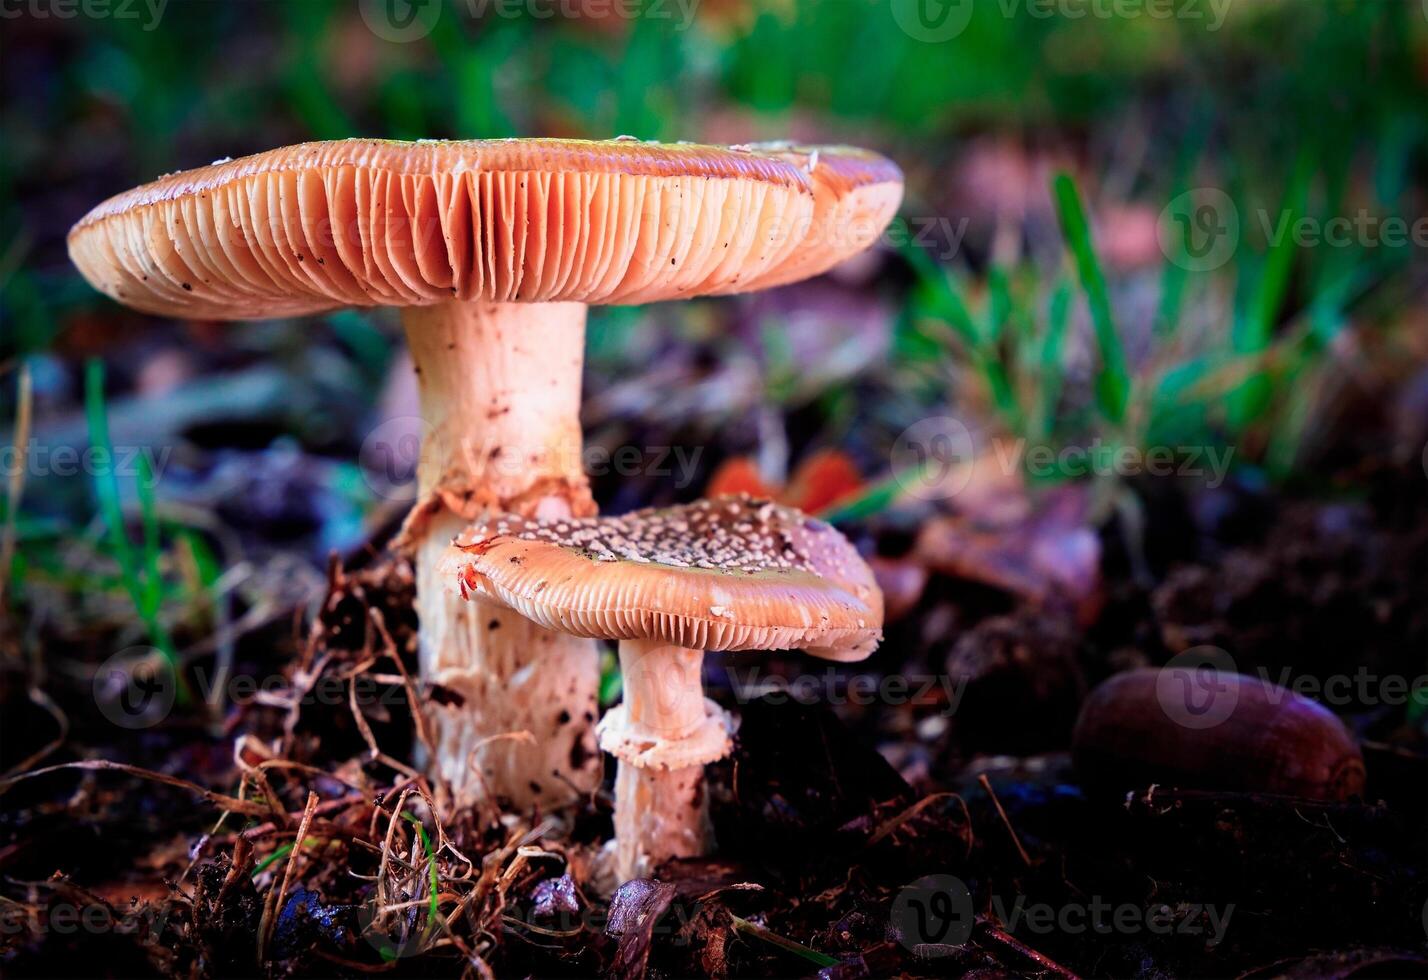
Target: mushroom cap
{"points": [[364, 222], [732, 573]]}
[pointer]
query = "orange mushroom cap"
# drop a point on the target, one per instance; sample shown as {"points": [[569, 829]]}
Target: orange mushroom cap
{"points": [[364, 222], [734, 573]]}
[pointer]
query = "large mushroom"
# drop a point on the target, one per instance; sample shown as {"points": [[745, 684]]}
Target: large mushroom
{"points": [[731, 574], [492, 250]]}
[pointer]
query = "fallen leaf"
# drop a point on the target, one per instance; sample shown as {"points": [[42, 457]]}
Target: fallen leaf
{"points": [[555, 897], [738, 474], [1050, 552], [635, 910], [822, 480]]}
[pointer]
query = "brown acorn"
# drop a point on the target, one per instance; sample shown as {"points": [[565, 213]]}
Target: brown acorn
{"points": [[1213, 729]]}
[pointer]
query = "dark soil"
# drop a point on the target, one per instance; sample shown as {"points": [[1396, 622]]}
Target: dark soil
{"points": [[834, 818]]}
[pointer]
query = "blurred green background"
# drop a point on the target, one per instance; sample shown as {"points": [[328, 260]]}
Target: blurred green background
{"points": [[1051, 278]]}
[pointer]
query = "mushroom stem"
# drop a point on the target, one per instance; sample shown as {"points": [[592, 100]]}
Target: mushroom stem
{"points": [[500, 396], [663, 734], [659, 814], [663, 689]]}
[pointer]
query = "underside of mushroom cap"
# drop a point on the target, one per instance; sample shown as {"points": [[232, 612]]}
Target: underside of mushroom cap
{"points": [[855, 195], [384, 223], [734, 573]]}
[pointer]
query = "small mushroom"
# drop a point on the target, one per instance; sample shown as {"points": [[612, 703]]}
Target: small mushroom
{"points": [[492, 249], [734, 573]]}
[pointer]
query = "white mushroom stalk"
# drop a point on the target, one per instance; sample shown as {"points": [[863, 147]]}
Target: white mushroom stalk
{"points": [[663, 733], [500, 395]]}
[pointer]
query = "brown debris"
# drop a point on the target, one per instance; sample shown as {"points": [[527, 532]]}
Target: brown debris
{"points": [[1049, 555], [635, 912]]}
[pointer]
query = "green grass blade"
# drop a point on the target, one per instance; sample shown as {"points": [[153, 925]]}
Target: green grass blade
{"points": [[434, 904], [15, 482], [153, 581], [787, 945], [999, 303], [278, 855], [948, 304], [1113, 381], [272, 859], [1274, 279], [106, 481], [203, 558], [1003, 395], [1049, 377], [106, 487], [611, 683], [989, 358], [943, 296], [1255, 328], [1172, 291], [873, 499], [1301, 383]]}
